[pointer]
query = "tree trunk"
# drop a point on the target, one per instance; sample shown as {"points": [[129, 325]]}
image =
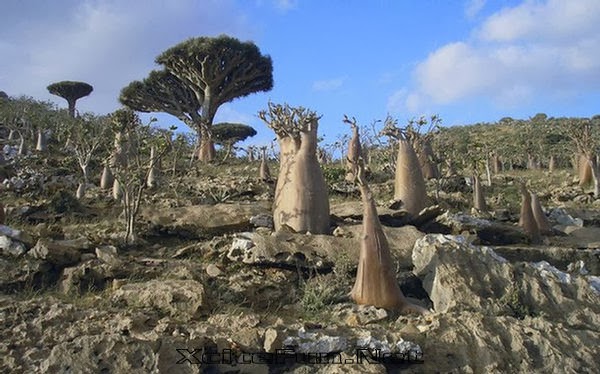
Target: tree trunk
{"points": [[552, 163], [41, 142], [478, 198], [496, 164], [301, 199], [72, 107], [409, 185], [376, 282], [488, 172], [22, 147], [206, 148], [81, 191], [585, 171], [595, 168], [106, 181]]}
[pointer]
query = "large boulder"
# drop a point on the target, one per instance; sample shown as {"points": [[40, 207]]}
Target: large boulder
{"points": [[460, 276], [203, 221]]}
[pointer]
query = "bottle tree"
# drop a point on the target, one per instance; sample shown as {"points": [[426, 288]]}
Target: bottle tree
{"points": [[200, 74], [70, 91], [301, 198]]}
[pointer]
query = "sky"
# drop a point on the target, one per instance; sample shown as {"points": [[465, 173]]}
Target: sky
{"points": [[468, 61]]}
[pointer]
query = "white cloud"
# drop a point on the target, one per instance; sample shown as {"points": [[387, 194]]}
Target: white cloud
{"points": [[285, 5], [539, 48], [473, 7], [105, 43], [328, 84]]}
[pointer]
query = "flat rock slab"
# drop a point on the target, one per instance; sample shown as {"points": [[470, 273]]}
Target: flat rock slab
{"points": [[288, 250], [203, 221]]}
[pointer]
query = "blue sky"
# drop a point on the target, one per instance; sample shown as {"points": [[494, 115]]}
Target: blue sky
{"points": [[468, 61]]}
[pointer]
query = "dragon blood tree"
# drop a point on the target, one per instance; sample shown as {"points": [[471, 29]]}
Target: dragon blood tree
{"points": [[301, 198], [70, 91]]}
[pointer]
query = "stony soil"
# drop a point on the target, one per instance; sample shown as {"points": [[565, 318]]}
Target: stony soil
{"points": [[209, 281]]}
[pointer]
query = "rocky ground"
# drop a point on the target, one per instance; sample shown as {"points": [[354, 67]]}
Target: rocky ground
{"points": [[211, 288]]}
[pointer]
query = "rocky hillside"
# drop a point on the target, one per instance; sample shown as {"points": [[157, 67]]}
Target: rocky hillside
{"points": [[210, 288]]}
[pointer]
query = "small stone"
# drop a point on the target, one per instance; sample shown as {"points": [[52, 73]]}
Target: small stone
{"points": [[108, 254], [273, 340], [213, 271], [353, 320], [11, 247]]}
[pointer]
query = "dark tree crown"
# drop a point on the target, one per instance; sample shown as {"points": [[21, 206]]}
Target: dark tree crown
{"points": [[161, 91], [231, 132], [70, 90], [224, 65]]}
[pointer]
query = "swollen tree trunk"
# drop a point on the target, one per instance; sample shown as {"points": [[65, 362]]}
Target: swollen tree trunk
{"points": [[478, 198], [552, 164], [81, 191], [376, 282], [488, 172], [153, 174], [428, 168], [496, 164], [22, 147], [527, 220], [41, 141], [264, 172], [409, 185], [354, 149], [106, 181], [585, 171], [301, 198], [541, 220], [595, 169]]}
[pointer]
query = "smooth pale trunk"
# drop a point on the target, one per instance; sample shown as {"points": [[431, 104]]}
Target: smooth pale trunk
{"points": [[496, 164], [264, 172], [11, 135], [541, 220], [353, 155], [81, 191], [409, 185], [478, 198], [595, 168], [22, 147], [376, 282], [527, 220], [117, 190], [301, 198], [41, 142], [152, 180], [488, 173], [552, 163], [428, 168], [106, 181], [585, 171]]}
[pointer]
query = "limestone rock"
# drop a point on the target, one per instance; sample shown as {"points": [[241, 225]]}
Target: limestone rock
{"points": [[183, 298], [108, 254], [203, 221], [55, 252]]}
